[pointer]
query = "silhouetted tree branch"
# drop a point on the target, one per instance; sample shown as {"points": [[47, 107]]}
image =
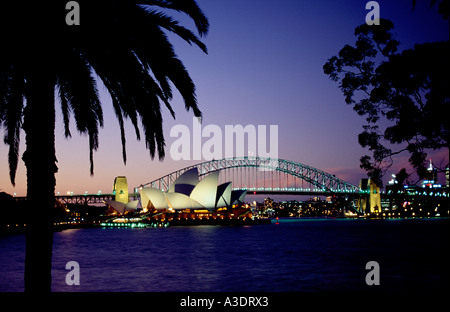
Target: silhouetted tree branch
{"points": [[409, 89]]}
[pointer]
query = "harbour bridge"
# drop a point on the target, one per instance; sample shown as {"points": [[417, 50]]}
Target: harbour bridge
{"points": [[256, 175], [263, 175]]}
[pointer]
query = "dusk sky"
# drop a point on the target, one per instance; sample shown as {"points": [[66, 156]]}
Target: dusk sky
{"points": [[264, 67]]}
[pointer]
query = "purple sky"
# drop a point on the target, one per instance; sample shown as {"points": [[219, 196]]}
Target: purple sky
{"points": [[264, 67]]}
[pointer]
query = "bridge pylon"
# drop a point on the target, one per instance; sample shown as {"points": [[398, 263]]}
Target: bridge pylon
{"points": [[120, 189], [371, 202]]}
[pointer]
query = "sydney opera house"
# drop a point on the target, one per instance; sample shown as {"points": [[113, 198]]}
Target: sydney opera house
{"points": [[187, 193]]}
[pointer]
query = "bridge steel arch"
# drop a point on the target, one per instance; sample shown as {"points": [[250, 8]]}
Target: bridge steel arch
{"points": [[324, 181]]}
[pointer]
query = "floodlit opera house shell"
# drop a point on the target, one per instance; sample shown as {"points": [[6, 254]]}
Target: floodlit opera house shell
{"points": [[189, 192]]}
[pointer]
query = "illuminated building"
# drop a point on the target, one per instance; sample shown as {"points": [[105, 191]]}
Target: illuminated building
{"points": [[121, 201], [188, 192], [431, 178], [120, 189], [372, 202], [447, 183]]}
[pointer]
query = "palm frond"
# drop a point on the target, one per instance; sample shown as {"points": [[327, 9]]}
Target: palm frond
{"points": [[11, 106], [138, 67], [165, 65], [155, 17], [189, 7], [79, 94], [129, 84]]}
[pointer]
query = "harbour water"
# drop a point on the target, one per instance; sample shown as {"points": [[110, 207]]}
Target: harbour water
{"points": [[294, 255]]}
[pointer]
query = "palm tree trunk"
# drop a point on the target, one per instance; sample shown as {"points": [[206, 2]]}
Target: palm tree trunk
{"points": [[40, 162]]}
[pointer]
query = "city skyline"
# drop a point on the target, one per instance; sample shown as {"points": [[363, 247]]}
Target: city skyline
{"points": [[265, 62]]}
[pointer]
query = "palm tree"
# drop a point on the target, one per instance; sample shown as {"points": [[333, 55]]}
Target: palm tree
{"points": [[127, 48]]}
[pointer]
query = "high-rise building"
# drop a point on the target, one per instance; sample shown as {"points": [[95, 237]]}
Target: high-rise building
{"points": [[431, 177]]}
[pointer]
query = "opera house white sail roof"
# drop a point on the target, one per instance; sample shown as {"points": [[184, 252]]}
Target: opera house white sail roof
{"points": [[121, 207], [189, 192], [186, 192]]}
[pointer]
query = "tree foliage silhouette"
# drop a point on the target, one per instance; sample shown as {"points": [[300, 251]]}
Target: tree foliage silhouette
{"points": [[125, 45], [408, 89]]}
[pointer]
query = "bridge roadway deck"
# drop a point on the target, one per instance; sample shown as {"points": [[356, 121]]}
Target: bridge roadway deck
{"points": [[295, 192], [79, 199], [89, 199]]}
